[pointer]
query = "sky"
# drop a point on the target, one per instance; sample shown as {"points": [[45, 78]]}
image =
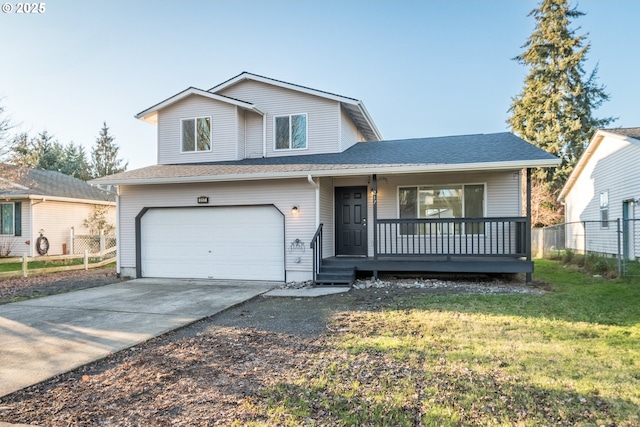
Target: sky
{"points": [[422, 68]]}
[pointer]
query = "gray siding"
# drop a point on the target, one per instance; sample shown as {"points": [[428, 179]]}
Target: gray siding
{"points": [[284, 194], [327, 216], [253, 135], [502, 190], [323, 122], [224, 124], [349, 133]]}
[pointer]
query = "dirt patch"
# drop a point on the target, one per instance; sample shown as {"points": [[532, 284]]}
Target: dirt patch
{"points": [[21, 288], [209, 373]]}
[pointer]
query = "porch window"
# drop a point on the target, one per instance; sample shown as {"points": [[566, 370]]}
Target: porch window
{"points": [[604, 209], [291, 132], [196, 134], [441, 202]]}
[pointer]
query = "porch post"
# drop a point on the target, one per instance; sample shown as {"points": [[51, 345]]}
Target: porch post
{"points": [[528, 223], [374, 190]]}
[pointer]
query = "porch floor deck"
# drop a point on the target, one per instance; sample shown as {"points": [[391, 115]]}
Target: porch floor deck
{"points": [[434, 264]]}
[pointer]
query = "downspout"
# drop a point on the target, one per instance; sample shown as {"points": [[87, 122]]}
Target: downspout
{"points": [[317, 188], [32, 203], [117, 231], [264, 135], [528, 224]]}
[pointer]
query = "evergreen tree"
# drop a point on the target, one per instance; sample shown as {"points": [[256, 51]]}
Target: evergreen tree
{"points": [[44, 152], [104, 155], [555, 109], [5, 127]]}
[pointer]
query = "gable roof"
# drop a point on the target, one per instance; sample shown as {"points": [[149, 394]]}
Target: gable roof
{"points": [[36, 183], [630, 132], [497, 151], [631, 135], [150, 115], [354, 107]]}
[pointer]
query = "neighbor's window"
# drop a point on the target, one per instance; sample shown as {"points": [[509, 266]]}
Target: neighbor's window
{"points": [[196, 134], [6, 218], [291, 132], [442, 201], [604, 209]]}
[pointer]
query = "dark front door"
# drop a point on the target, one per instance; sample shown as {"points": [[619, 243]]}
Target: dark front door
{"points": [[351, 221]]}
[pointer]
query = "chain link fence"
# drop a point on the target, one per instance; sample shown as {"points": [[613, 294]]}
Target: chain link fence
{"points": [[93, 244], [614, 242]]}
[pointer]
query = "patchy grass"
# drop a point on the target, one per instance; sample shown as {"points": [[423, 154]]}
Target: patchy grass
{"points": [[569, 357]]}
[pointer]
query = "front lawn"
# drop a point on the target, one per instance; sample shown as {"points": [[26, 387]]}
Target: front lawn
{"points": [[569, 357]]}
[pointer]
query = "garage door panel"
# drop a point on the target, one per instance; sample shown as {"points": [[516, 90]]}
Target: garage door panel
{"points": [[223, 243]]}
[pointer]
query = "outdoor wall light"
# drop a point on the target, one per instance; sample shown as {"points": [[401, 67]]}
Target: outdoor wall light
{"points": [[294, 210]]}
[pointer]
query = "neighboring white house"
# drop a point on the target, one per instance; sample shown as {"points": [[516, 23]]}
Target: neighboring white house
{"points": [[255, 171], [604, 187], [35, 200]]}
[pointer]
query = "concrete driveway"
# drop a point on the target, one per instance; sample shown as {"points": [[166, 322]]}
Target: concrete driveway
{"points": [[43, 337]]}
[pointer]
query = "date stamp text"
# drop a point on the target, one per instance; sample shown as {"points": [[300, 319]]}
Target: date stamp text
{"points": [[24, 8]]}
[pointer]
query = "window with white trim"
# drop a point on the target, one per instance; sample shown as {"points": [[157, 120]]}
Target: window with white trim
{"points": [[604, 209], [442, 201], [290, 132], [196, 134]]}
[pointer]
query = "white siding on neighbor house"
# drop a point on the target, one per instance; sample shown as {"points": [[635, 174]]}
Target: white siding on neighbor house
{"points": [[613, 167], [224, 131], [349, 133], [284, 194], [57, 218], [323, 122], [253, 135]]}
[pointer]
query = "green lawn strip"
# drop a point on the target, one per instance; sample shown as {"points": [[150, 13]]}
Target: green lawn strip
{"points": [[35, 265], [568, 357]]}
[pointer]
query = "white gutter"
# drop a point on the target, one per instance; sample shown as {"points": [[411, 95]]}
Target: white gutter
{"points": [[337, 171], [58, 199], [317, 188]]}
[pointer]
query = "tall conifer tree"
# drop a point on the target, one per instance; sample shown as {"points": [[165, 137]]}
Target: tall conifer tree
{"points": [[104, 155], [555, 109]]}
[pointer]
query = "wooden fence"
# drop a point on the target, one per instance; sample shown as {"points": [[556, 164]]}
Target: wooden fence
{"points": [[25, 260]]}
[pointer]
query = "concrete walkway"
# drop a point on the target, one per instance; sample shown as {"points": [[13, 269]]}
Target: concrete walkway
{"points": [[43, 337]]}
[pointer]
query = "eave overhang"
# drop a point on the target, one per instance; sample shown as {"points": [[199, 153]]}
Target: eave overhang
{"points": [[594, 143], [150, 115], [41, 198], [300, 171], [354, 107]]}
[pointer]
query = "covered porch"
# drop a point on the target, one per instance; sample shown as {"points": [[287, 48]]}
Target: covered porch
{"points": [[467, 245]]}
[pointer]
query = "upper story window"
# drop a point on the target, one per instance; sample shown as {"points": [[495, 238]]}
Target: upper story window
{"points": [[196, 134], [604, 209], [291, 132], [442, 201]]}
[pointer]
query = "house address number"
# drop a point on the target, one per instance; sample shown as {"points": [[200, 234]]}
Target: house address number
{"points": [[203, 199]]}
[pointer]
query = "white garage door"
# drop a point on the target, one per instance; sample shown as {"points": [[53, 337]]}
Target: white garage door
{"points": [[245, 243]]}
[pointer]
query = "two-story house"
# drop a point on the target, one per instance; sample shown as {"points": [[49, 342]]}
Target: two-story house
{"points": [[259, 179]]}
